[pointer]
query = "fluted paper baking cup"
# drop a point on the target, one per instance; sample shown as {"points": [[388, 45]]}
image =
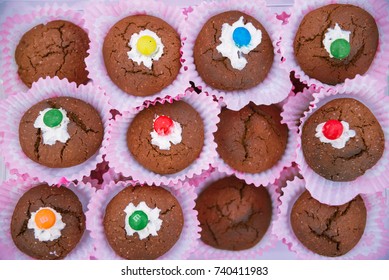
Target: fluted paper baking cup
{"points": [[273, 89], [375, 179], [185, 245], [99, 19], [204, 251], [374, 243], [15, 27], [13, 108], [10, 193], [121, 159], [377, 8]]}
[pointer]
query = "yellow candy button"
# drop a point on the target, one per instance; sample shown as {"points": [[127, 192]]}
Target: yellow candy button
{"points": [[45, 219], [146, 45]]}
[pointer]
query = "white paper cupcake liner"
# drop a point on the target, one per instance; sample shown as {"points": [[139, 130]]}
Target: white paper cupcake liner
{"points": [[183, 247], [204, 251], [13, 108], [15, 27], [377, 8], [273, 89], [376, 179], [10, 193], [121, 159], [99, 19], [374, 243]]}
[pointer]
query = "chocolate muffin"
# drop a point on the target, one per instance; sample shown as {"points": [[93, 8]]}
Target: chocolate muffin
{"points": [[58, 48], [351, 125], [142, 54], [143, 222], [48, 222], [330, 231], [166, 138], [252, 139], [336, 42], [249, 47], [60, 132], [233, 215]]}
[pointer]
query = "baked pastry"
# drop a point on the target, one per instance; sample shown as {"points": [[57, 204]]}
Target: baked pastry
{"points": [[58, 48], [142, 54], [166, 138], [336, 42], [232, 214], [48, 222], [233, 51], [342, 139], [328, 230], [60, 132], [252, 139], [143, 222]]}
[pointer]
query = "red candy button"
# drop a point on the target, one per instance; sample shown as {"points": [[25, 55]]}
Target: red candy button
{"points": [[332, 129], [163, 125]]}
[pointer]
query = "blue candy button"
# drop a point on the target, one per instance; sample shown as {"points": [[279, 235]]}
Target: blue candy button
{"points": [[241, 37]]}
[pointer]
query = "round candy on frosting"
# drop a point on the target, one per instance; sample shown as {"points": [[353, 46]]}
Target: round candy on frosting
{"points": [[163, 125], [241, 37], [46, 223], [138, 220], [53, 124], [146, 45], [53, 118], [340, 48], [332, 129]]}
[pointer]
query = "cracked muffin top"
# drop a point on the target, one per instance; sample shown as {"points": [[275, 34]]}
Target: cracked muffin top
{"points": [[336, 42], [143, 222], [232, 214], [166, 138], [233, 51], [48, 222], [58, 48], [252, 139], [60, 132], [342, 139], [330, 231], [142, 54]]}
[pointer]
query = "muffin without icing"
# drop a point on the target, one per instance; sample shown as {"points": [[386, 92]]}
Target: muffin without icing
{"points": [[58, 48], [233, 215]]}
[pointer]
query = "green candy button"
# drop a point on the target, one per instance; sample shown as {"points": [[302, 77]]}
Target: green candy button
{"points": [[53, 118], [340, 48], [138, 220]]}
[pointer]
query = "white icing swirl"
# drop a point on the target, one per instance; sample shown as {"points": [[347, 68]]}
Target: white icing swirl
{"points": [[163, 141], [333, 34], [229, 49], [47, 234], [139, 58], [340, 142], [154, 224], [52, 134]]}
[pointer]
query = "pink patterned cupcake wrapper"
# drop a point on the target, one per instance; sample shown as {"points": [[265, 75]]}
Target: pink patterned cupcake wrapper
{"points": [[204, 251], [10, 193], [295, 106], [273, 89], [374, 243], [375, 179], [15, 27], [181, 250], [122, 161], [377, 8], [99, 19], [14, 107]]}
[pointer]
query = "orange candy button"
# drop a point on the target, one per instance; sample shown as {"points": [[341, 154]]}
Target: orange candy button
{"points": [[45, 219]]}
